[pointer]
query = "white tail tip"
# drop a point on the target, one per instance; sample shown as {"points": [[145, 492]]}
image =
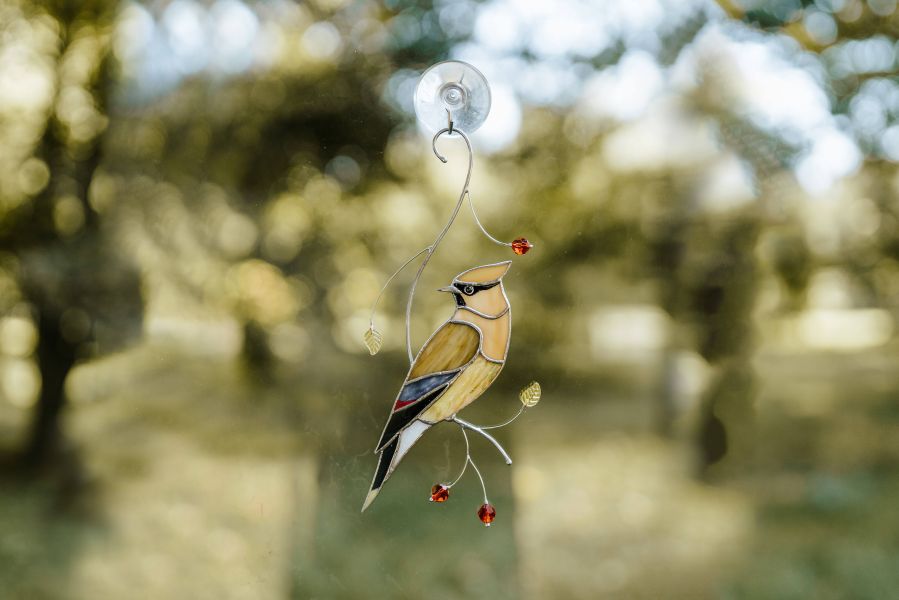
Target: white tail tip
{"points": [[370, 498]]}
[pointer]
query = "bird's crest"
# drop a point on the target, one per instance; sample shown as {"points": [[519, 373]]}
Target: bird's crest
{"points": [[485, 273]]}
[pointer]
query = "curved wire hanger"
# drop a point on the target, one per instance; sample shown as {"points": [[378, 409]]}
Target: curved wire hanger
{"points": [[430, 250]]}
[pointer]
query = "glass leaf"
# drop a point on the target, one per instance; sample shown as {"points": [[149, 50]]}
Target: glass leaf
{"points": [[530, 395], [372, 338]]}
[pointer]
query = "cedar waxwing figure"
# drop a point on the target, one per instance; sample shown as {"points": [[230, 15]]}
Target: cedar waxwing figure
{"points": [[453, 368]]}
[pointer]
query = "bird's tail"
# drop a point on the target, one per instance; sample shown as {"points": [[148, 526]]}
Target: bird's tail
{"points": [[384, 459], [390, 455]]}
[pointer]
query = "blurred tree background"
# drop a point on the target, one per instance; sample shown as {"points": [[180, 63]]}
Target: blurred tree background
{"points": [[200, 199]]}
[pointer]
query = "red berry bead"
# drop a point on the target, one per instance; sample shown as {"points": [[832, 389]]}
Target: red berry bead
{"points": [[521, 246], [439, 493], [486, 514]]}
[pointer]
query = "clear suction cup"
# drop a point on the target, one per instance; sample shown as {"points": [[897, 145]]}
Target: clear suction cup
{"points": [[456, 87]]}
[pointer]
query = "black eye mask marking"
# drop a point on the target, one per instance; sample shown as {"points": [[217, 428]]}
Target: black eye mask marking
{"points": [[470, 289]]}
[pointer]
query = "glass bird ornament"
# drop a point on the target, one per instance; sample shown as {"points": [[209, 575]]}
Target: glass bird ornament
{"points": [[463, 357]]}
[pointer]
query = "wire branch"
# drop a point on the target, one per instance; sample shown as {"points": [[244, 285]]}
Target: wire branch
{"points": [[489, 437]]}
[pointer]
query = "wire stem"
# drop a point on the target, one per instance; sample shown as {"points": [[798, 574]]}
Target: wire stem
{"points": [[481, 227], [371, 317], [518, 414], [483, 487], [467, 458], [433, 247]]}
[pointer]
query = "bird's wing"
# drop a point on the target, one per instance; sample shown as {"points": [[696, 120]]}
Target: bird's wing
{"points": [[451, 347], [438, 364]]}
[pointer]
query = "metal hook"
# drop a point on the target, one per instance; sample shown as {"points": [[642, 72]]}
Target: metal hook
{"points": [[450, 130]]}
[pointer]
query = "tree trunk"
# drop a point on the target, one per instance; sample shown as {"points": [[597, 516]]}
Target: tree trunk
{"points": [[55, 356]]}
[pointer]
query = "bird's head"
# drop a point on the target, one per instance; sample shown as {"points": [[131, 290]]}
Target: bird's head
{"points": [[481, 289]]}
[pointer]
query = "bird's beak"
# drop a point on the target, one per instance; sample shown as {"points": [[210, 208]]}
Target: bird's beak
{"points": [[448, 288]]}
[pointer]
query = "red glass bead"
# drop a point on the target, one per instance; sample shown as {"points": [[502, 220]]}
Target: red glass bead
{"points": [[521, 246], [486, 514], [439, 493]]}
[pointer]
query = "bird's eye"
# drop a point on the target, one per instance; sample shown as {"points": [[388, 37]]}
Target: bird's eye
{"points": [[468, 290]]}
